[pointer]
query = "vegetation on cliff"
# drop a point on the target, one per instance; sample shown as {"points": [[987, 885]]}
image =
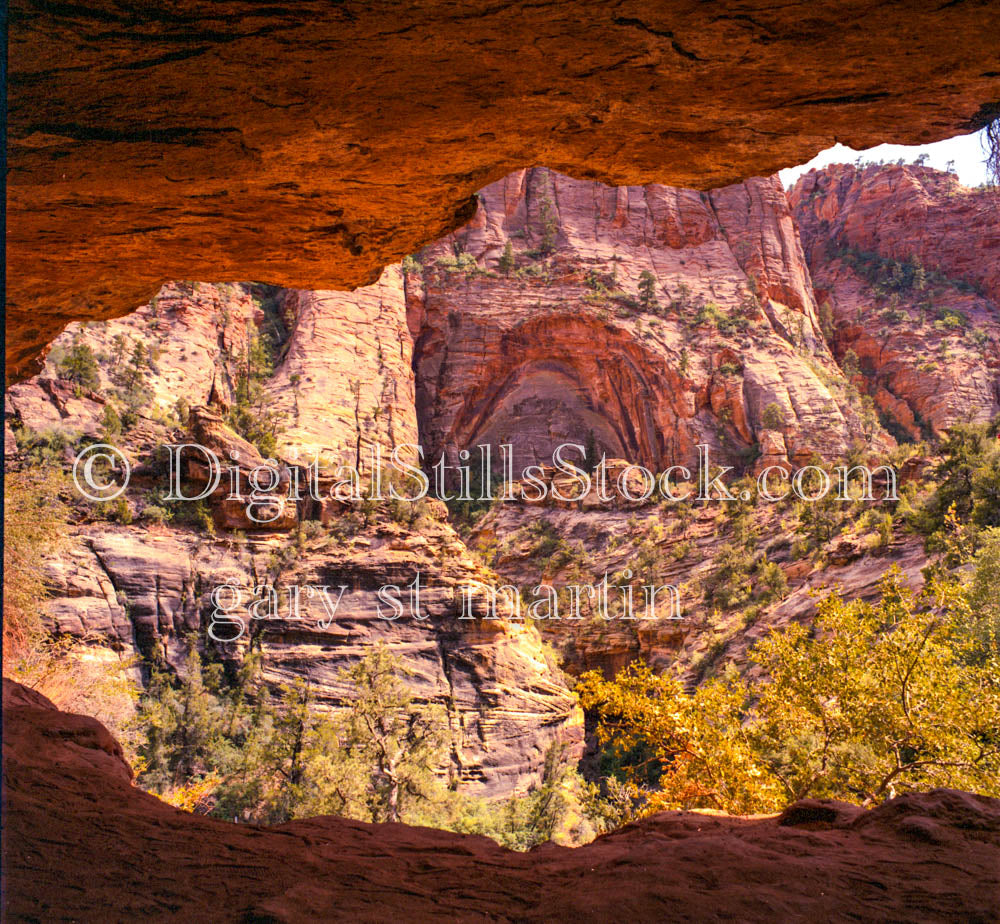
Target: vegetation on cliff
{"points": [[871, 701]]}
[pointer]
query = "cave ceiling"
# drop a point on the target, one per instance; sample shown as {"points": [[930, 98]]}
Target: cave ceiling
{"points": [[310, 144]]}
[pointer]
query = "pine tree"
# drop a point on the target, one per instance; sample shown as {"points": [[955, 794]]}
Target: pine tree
{"points": [[399, 742], [550, 226], [647, 291], [79, 366], [134, 376], [507, 259]]}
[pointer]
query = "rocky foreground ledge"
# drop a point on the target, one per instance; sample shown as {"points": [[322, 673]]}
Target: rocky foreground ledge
{"points": [[82, 843]]}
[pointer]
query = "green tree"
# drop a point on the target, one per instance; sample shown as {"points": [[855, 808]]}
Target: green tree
{"points": [[118, 348], [968, 479], [773, 417], [680, 750], [549, 226], [277, 758], [290, 764], [524, 821], [851, 364], [138, 363], [507, 259], [184, 717], [685, 361], [250, 414], [881, 698], [647, 291], [80, 367], [399, 742]]}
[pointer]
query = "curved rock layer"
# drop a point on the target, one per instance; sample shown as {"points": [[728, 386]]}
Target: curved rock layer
{"points": [[342, 383], [68, 799], [310, 145], [485, 338], [557, 344]]}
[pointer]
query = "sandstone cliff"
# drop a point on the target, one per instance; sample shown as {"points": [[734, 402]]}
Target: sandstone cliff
{"points": [[137, 577], [638, 320], [556, 343], [906, 261]]}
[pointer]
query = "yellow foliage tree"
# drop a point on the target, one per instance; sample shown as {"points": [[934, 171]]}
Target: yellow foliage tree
{"points": [[880, 698]]}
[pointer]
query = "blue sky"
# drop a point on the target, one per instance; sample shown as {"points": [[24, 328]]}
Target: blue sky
{"points": [[965, 150]]}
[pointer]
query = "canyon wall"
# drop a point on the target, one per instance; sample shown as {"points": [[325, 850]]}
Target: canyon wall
{"points": [[138, 577], [638, 321], [906, 261], [558, 343]]}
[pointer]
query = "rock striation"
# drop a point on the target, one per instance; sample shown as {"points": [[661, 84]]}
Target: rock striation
{"points": [[906, 261], [311, 146], [635, 321], [556, 342], [139, 577]]}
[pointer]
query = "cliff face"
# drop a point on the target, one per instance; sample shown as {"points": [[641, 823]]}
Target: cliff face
{"points": [[908, 261], [556, 342], [638, 321], [139, 578], [68, 801]]}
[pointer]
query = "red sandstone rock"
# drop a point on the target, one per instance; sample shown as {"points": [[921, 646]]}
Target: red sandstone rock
{"points": [[310, 145], [81, 843], [136, 588], [919, 370], [466, 354], [560, 349]]}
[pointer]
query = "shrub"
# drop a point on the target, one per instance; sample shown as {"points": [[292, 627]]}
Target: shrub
{"points": [[773, 417], [45, 449], [883, 698], [153, 513], [111, 422], [951, 319], [34, 524]]}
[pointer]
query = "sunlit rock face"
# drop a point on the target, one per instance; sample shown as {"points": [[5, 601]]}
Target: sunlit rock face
{"points": [[557, 342], [637, 321], [342, 383], [313, 144], [907, 262]]}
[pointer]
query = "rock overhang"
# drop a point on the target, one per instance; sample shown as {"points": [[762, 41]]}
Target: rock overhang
{"points": [[310, 146]]}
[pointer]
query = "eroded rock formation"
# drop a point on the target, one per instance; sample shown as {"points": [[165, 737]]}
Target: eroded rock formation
{"points": [[545, 351], [69, 800], [314, 144], [342, 383], [640, 320], [906, 261]]}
